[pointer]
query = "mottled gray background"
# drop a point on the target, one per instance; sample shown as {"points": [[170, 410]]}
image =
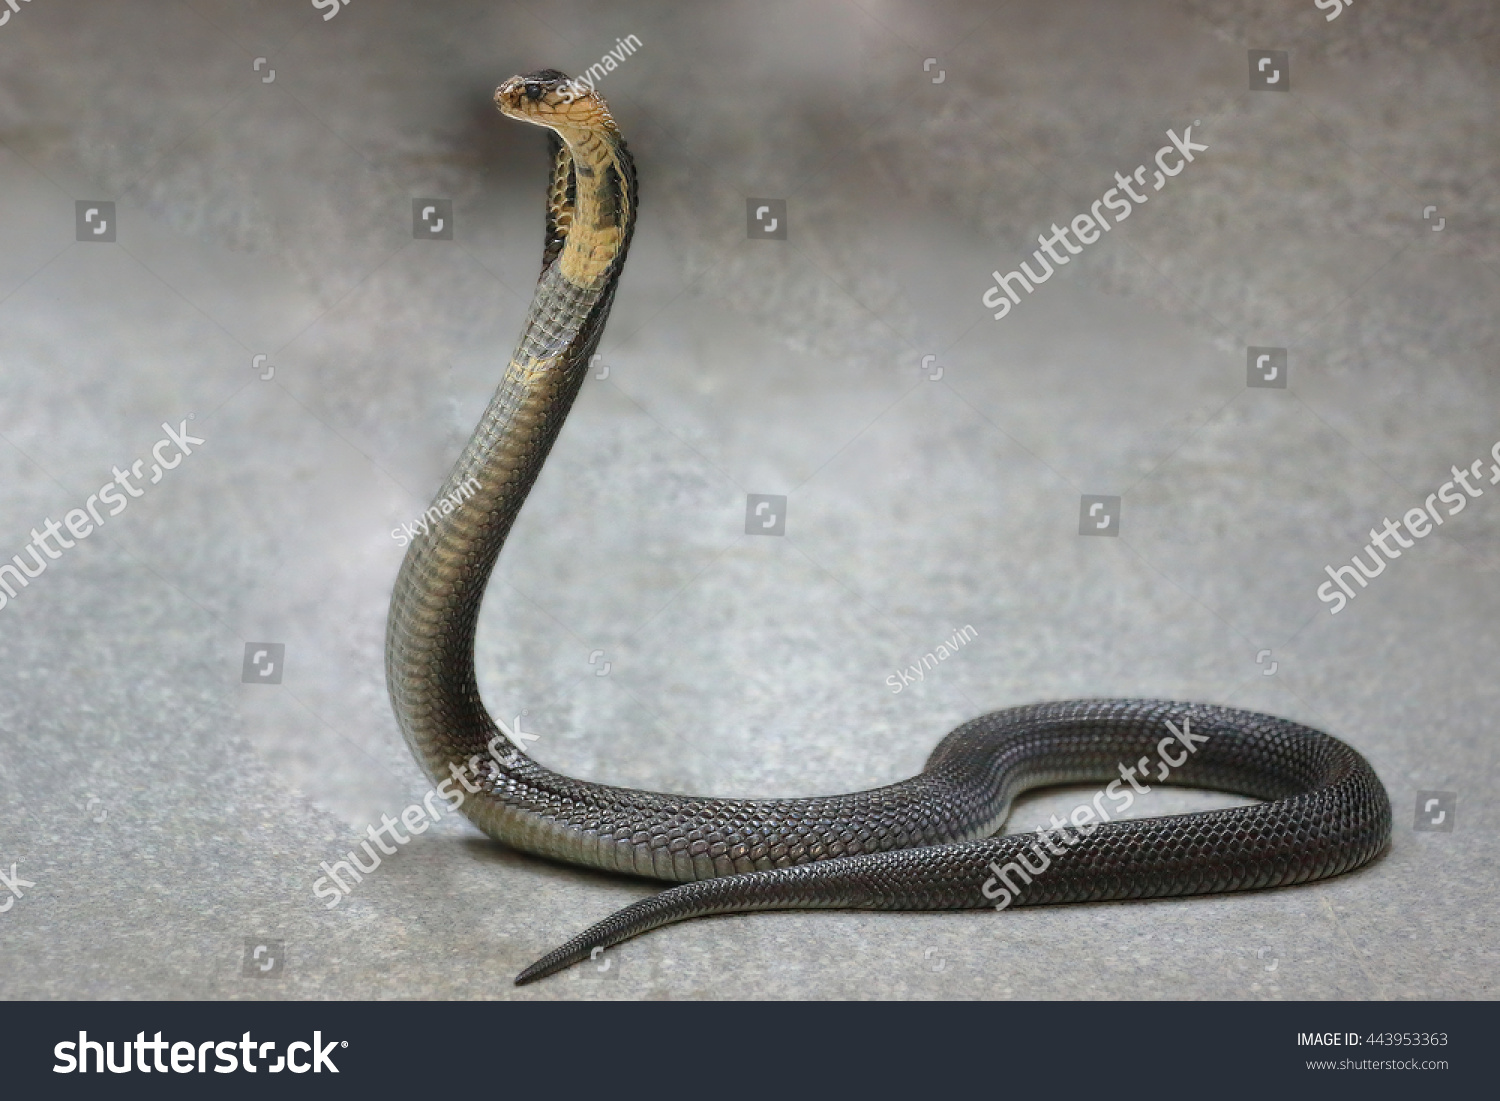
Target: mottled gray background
{"points": [[166, 813]]}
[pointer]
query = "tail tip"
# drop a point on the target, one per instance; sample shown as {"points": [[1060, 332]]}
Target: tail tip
{"points": [[549, 964]]}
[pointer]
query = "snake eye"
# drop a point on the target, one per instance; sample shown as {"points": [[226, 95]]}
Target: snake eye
{"points": [[533, 91]]}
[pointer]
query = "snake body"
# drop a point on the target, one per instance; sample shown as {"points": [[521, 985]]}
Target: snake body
{"points": [[921, 844]]}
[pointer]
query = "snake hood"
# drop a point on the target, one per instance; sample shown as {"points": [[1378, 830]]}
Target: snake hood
{"points": [[592, 196]]}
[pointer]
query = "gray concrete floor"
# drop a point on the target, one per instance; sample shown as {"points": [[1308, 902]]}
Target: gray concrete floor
{"points": [[164, 813]]}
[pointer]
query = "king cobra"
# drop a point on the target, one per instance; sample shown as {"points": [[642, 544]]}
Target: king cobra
{"points": [[926, 843]]}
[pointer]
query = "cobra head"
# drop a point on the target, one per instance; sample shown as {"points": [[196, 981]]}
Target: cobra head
{"points": [[551, 99]]}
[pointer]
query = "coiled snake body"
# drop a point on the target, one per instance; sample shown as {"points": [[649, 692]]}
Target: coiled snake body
{"points": [[922, 844]]}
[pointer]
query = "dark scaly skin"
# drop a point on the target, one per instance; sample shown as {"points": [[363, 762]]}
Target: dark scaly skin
{"points": [[922, 844]]}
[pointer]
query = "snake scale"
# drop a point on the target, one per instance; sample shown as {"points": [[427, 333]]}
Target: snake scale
{"points": [[922, 844]]}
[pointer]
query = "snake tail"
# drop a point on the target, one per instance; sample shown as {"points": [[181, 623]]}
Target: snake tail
{"points": [[1326, 813]]}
